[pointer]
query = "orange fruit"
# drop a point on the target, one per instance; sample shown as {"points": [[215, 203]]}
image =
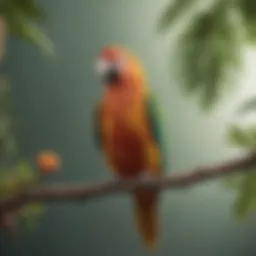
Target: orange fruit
{"points": [[48, 162]]}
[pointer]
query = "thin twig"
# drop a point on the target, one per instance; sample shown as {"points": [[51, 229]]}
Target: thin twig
{"points": [[75, 192]]}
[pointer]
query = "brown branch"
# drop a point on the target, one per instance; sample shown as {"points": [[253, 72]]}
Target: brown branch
{"points": [[77, 192]]}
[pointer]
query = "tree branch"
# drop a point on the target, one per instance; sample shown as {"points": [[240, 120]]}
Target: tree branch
{"points": [[77, 192]]}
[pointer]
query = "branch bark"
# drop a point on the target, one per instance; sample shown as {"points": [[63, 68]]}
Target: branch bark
{"points": [[82, 192]]}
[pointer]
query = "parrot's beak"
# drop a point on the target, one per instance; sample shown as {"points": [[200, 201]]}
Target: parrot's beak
{"points": [[109, 73], [111, 76]]}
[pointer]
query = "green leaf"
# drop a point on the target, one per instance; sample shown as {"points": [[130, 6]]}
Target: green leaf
{"points": [[34, 35], [25, 173], [173, 11], [9, 185], [248, 8], [31, 9], [22, 25], [246, 197], [209, 53], [17, 177], [29, 215], [248, 106], [242, 138], [233, 181]]}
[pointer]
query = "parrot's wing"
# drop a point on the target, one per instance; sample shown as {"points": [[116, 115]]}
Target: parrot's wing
{"points": [[97, 134], [155, 123]]}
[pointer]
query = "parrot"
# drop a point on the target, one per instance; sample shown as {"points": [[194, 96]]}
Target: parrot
{"points": [[128, 131]]}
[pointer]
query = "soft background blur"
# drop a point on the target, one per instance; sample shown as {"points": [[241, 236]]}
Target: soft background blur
{"points": [[55, 99]]}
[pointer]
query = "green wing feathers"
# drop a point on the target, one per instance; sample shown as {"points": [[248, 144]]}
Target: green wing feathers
{"points": [[155, 122], [97, 135]]}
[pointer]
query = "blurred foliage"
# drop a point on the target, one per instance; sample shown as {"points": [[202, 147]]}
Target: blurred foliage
{"points": [[243, 137], [174, 10], [243, 184], [22, 18], [248, 106], [245, 202], [209, 48], [15, 179], [248, 8], [8, 144], [15, 174]]}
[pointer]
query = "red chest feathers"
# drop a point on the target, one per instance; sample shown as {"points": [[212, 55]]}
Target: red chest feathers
{"points": [[124, 139], [126, 150]]}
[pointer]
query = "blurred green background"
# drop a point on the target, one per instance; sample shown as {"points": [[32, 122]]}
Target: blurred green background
{"points": [[54, 100]]}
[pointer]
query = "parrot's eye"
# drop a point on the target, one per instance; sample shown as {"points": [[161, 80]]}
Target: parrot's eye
{"points": [[118, 65]]}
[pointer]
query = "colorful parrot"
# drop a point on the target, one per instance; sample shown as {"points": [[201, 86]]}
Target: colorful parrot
{"points": [[128, 130]]}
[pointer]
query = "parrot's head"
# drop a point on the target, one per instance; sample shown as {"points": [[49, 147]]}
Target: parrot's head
{"points": [[116, 66]]}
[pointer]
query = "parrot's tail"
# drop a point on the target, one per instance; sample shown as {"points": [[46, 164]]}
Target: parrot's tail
{"points": [[146, 216]]}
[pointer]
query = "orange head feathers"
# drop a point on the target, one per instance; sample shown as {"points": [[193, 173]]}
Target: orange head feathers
{"points": [[117, 66]]}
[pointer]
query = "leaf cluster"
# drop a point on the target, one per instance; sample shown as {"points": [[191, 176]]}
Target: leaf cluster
{"points": [[22, 18], [244, 184], [210, 46], [16, 178], [15, 175]]}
